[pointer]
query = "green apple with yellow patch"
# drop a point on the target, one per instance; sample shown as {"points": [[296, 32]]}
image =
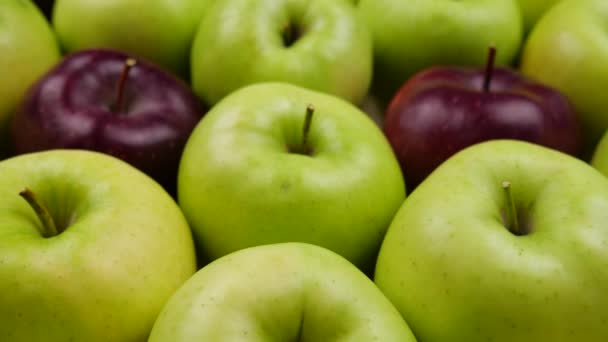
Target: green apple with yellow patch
{"points": [[505, 241], [280, 292], [568, 49], [90, 248]]}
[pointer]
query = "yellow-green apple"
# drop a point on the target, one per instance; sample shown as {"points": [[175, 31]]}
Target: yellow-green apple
{"points": [[599, 157], [275, 162], [90, 248], [532, 10], [317, 44], [409, 36], [505, 241], [158, 30], [567, 49], [280, 292], [29, 49]]}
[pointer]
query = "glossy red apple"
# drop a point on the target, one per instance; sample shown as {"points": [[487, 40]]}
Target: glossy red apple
{"points": [[443, 109], [104, 100]]}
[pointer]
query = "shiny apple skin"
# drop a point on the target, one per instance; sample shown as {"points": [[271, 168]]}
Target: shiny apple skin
{"points": [[444, 109], [71, 107]]}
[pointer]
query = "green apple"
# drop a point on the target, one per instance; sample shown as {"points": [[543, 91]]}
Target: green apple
{"points": [[90, 251], [568, 49], [280, 292], [532, 10], [411, 35], [161, 31], [505, 241], [318, 44], [256, 171], [29, 49], [599, 158]]}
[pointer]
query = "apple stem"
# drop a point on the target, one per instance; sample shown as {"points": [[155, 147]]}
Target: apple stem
{"points": [[48, 228], [512, 221], [489, 68], [120, 88], [310, 110]]}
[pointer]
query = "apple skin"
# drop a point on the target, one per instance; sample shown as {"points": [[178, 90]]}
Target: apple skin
{"points": [[409, 36], [532, 10], [71, 107], [108, 275], [280, 292], [29, 48], [158, 30], [239, 185], [567, 50], [443, 109], [599, 158], [456, 273], [240, 42]]}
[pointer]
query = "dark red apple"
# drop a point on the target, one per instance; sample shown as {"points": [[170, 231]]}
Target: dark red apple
{"points": [[106, 101], [443, 109]]}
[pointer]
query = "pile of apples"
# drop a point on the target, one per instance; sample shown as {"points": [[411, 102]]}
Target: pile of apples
{"points": [[303, 170]]}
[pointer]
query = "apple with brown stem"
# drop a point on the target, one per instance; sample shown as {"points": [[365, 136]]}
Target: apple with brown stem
{"points": [[107, 101], [443, 109]]}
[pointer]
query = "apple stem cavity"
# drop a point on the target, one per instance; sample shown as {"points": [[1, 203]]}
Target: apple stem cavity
{"points": [[120, 88], [489, 69], [48, 227], [290, 34], [512, 221]]}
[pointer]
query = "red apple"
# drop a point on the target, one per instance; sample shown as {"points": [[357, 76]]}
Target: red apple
{"points": [[443, 109], [106, 101]]}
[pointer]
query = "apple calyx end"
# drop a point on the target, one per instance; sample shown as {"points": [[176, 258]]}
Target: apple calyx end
{"points": [[48, 228]]}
